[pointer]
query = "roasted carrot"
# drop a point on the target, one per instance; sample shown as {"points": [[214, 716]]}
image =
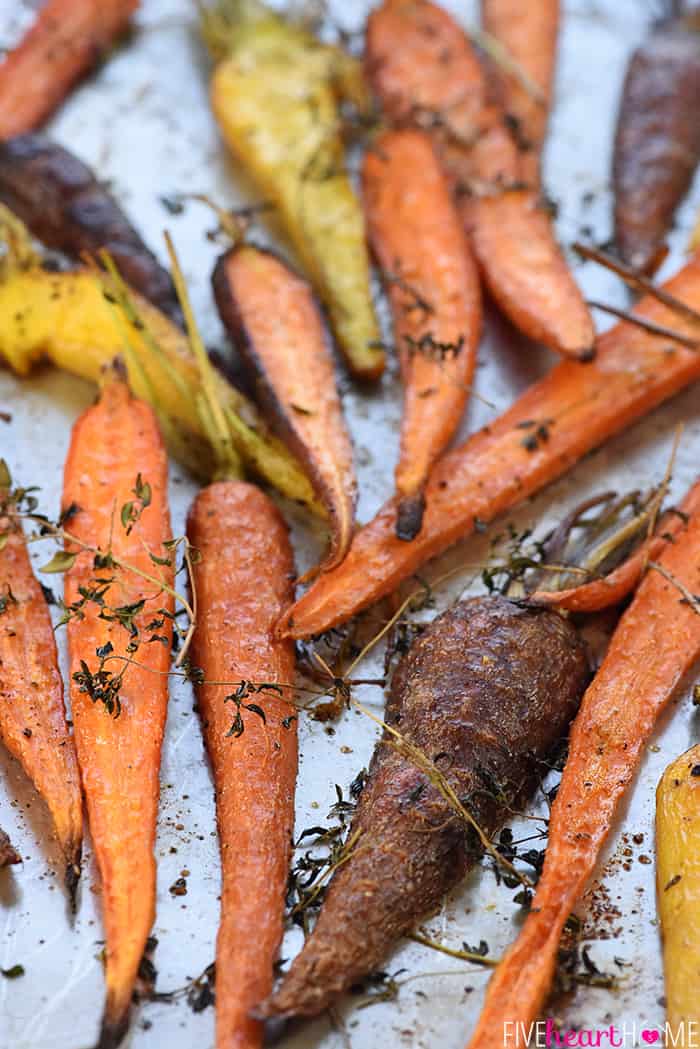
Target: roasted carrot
{"points": [[657, 640], [617, 585], [433, 286], [66, 41], [528, 34], [243, 582], [272, 317], [68, 208], [32, 714], [116, 481], [276, 92], [423, 69], [492, 688], [8, 855], [548, 429], [657, 140]]}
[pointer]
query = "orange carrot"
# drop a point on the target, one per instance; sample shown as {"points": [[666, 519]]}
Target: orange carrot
{"points": [[548, 429], [32, 715], [243, 582], [433, 287], [656, 642], [64, 44], [618, 584], [423, 69], [116, 475], [528, 33], [272, 318]]}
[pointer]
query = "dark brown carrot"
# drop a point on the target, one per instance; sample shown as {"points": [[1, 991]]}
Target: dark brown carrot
{"points": [[243, 582], [65, 42], [32, 714], [528, 33], [657, 143], [423, 69], [433, 286], [67, 208], [8, 855], [548, 429], [116, 475], [656, 642], [485, 693], [272, 317]]}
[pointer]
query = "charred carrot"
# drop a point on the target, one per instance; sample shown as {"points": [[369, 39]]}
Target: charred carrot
{"points": [[68, 208], [433, 286], [638, 677], [32, 714], [423, 69], [66, 41], [615, 587], [8, 855], [272, 317], [243, 583], [119, 639], [528, 34], [548, 429], [657, 141]]}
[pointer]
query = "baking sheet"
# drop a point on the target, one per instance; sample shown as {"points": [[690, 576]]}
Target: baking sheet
{"points": [[143, 123]]}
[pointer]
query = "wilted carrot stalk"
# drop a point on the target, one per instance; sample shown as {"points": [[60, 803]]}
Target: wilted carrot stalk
{"points": [[119, 639], [32, 714], [63, 45]]}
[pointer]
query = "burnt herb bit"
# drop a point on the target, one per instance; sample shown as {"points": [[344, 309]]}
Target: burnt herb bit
{"points": [[102, 686], [378, 987], [244, 690], [131, 512], [13, 972], [7, 598], [537, 435], [428, 346]]}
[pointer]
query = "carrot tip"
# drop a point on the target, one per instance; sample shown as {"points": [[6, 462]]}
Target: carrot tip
{"points": [[409, 518], [71, 881], [112, 1031]]}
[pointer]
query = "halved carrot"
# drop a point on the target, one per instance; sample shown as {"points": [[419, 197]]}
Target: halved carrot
{"points": [[272, 317], [433, 285], [423, 69], [63, 45], [32, 714], [656, 642], [243, 582], [116, 461], [528, 33], [618, 584], [548, 429]]}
